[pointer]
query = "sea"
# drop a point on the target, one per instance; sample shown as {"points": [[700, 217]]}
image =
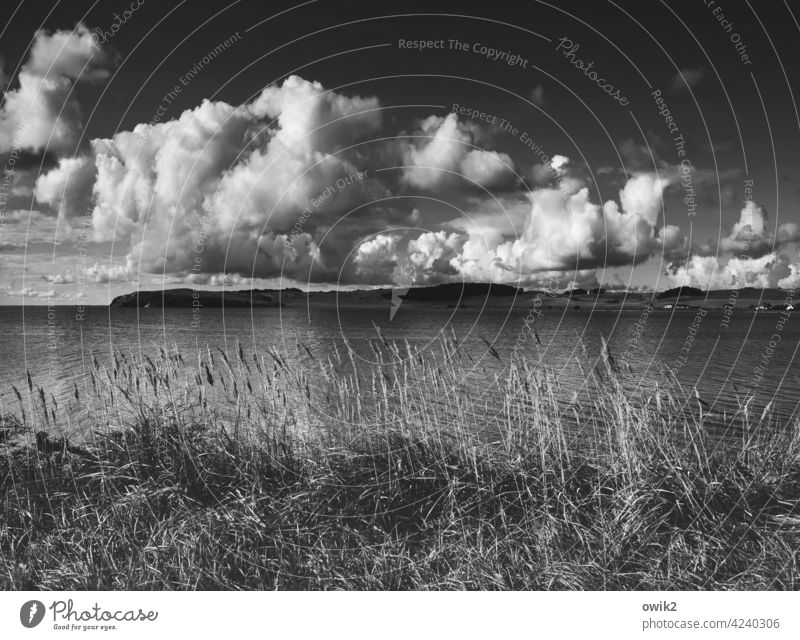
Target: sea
{"points": [[715, 358]]}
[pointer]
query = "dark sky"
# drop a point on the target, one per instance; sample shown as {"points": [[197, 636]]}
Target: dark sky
{"points": [[739, 117], [162, 39]]}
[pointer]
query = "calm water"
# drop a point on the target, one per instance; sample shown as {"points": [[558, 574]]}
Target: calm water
{"points": [[720, 362]]}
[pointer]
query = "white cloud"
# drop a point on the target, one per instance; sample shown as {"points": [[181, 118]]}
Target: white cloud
{"points": [[218, 279], [28, 292], [424, 259], [103, 273], [489, 169], [792, 280], [378, 257], [313, 118], [68, 187], [751, 237], [707, 272], [59, 278], [225, 186], [433, 253], [445, 152], [97, 273], [43, 111], [273, 187], [563, 234], [565, 231]]}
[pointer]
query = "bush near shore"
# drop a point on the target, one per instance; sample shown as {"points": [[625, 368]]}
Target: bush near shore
{"points": [[213, 475]]}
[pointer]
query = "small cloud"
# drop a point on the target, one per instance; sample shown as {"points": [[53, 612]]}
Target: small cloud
{"points": [[102, 274], [28, 292], [721, 146], [688, 79], [58, 278], [94, 274], [217, 279], [559, 163], [537, 96]]}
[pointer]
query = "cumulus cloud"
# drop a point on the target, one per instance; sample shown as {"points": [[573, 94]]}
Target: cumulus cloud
{"points": [[314, 118], [673, 243], [566, 231], [96, 273], [709, 272], [59, 278], [710, 186], [161, 173], [28, 292], [562, 233], [68, 187], [428, 258], [102, 273], [433, 254], [217, 279], [792, 279], [751, 236], [444, 153], [557, 169], [43, 111], [223, 187], [747, 257], [489, 169], [378, 257], [288, 184], [750, 232]]}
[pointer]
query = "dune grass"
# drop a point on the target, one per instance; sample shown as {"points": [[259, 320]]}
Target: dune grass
{"points": [[246, 471]]}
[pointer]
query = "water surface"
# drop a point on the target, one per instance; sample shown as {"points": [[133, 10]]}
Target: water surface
{"points": [[754, 353]]}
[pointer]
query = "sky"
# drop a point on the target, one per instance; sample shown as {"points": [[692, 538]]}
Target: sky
{"points": [[639, 145]]}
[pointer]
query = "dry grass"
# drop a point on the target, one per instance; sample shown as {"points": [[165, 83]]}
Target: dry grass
{"points": [[245, 472]]}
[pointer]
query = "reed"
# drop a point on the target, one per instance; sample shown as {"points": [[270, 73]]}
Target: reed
{"points": [[422, 470]]}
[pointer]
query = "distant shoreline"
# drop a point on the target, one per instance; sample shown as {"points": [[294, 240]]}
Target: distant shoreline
{"points": [[461, 295]]}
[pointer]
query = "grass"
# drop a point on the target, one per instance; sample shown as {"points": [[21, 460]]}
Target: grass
{"points": [[250, 472]]}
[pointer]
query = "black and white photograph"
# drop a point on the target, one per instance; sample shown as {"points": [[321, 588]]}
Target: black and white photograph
{"points": [[400, 297]]}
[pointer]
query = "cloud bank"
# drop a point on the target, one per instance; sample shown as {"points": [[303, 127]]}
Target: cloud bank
{"points": [[308, 184]]}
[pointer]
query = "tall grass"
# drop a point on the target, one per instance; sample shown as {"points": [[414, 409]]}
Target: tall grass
{"points": [[247, 471]]}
